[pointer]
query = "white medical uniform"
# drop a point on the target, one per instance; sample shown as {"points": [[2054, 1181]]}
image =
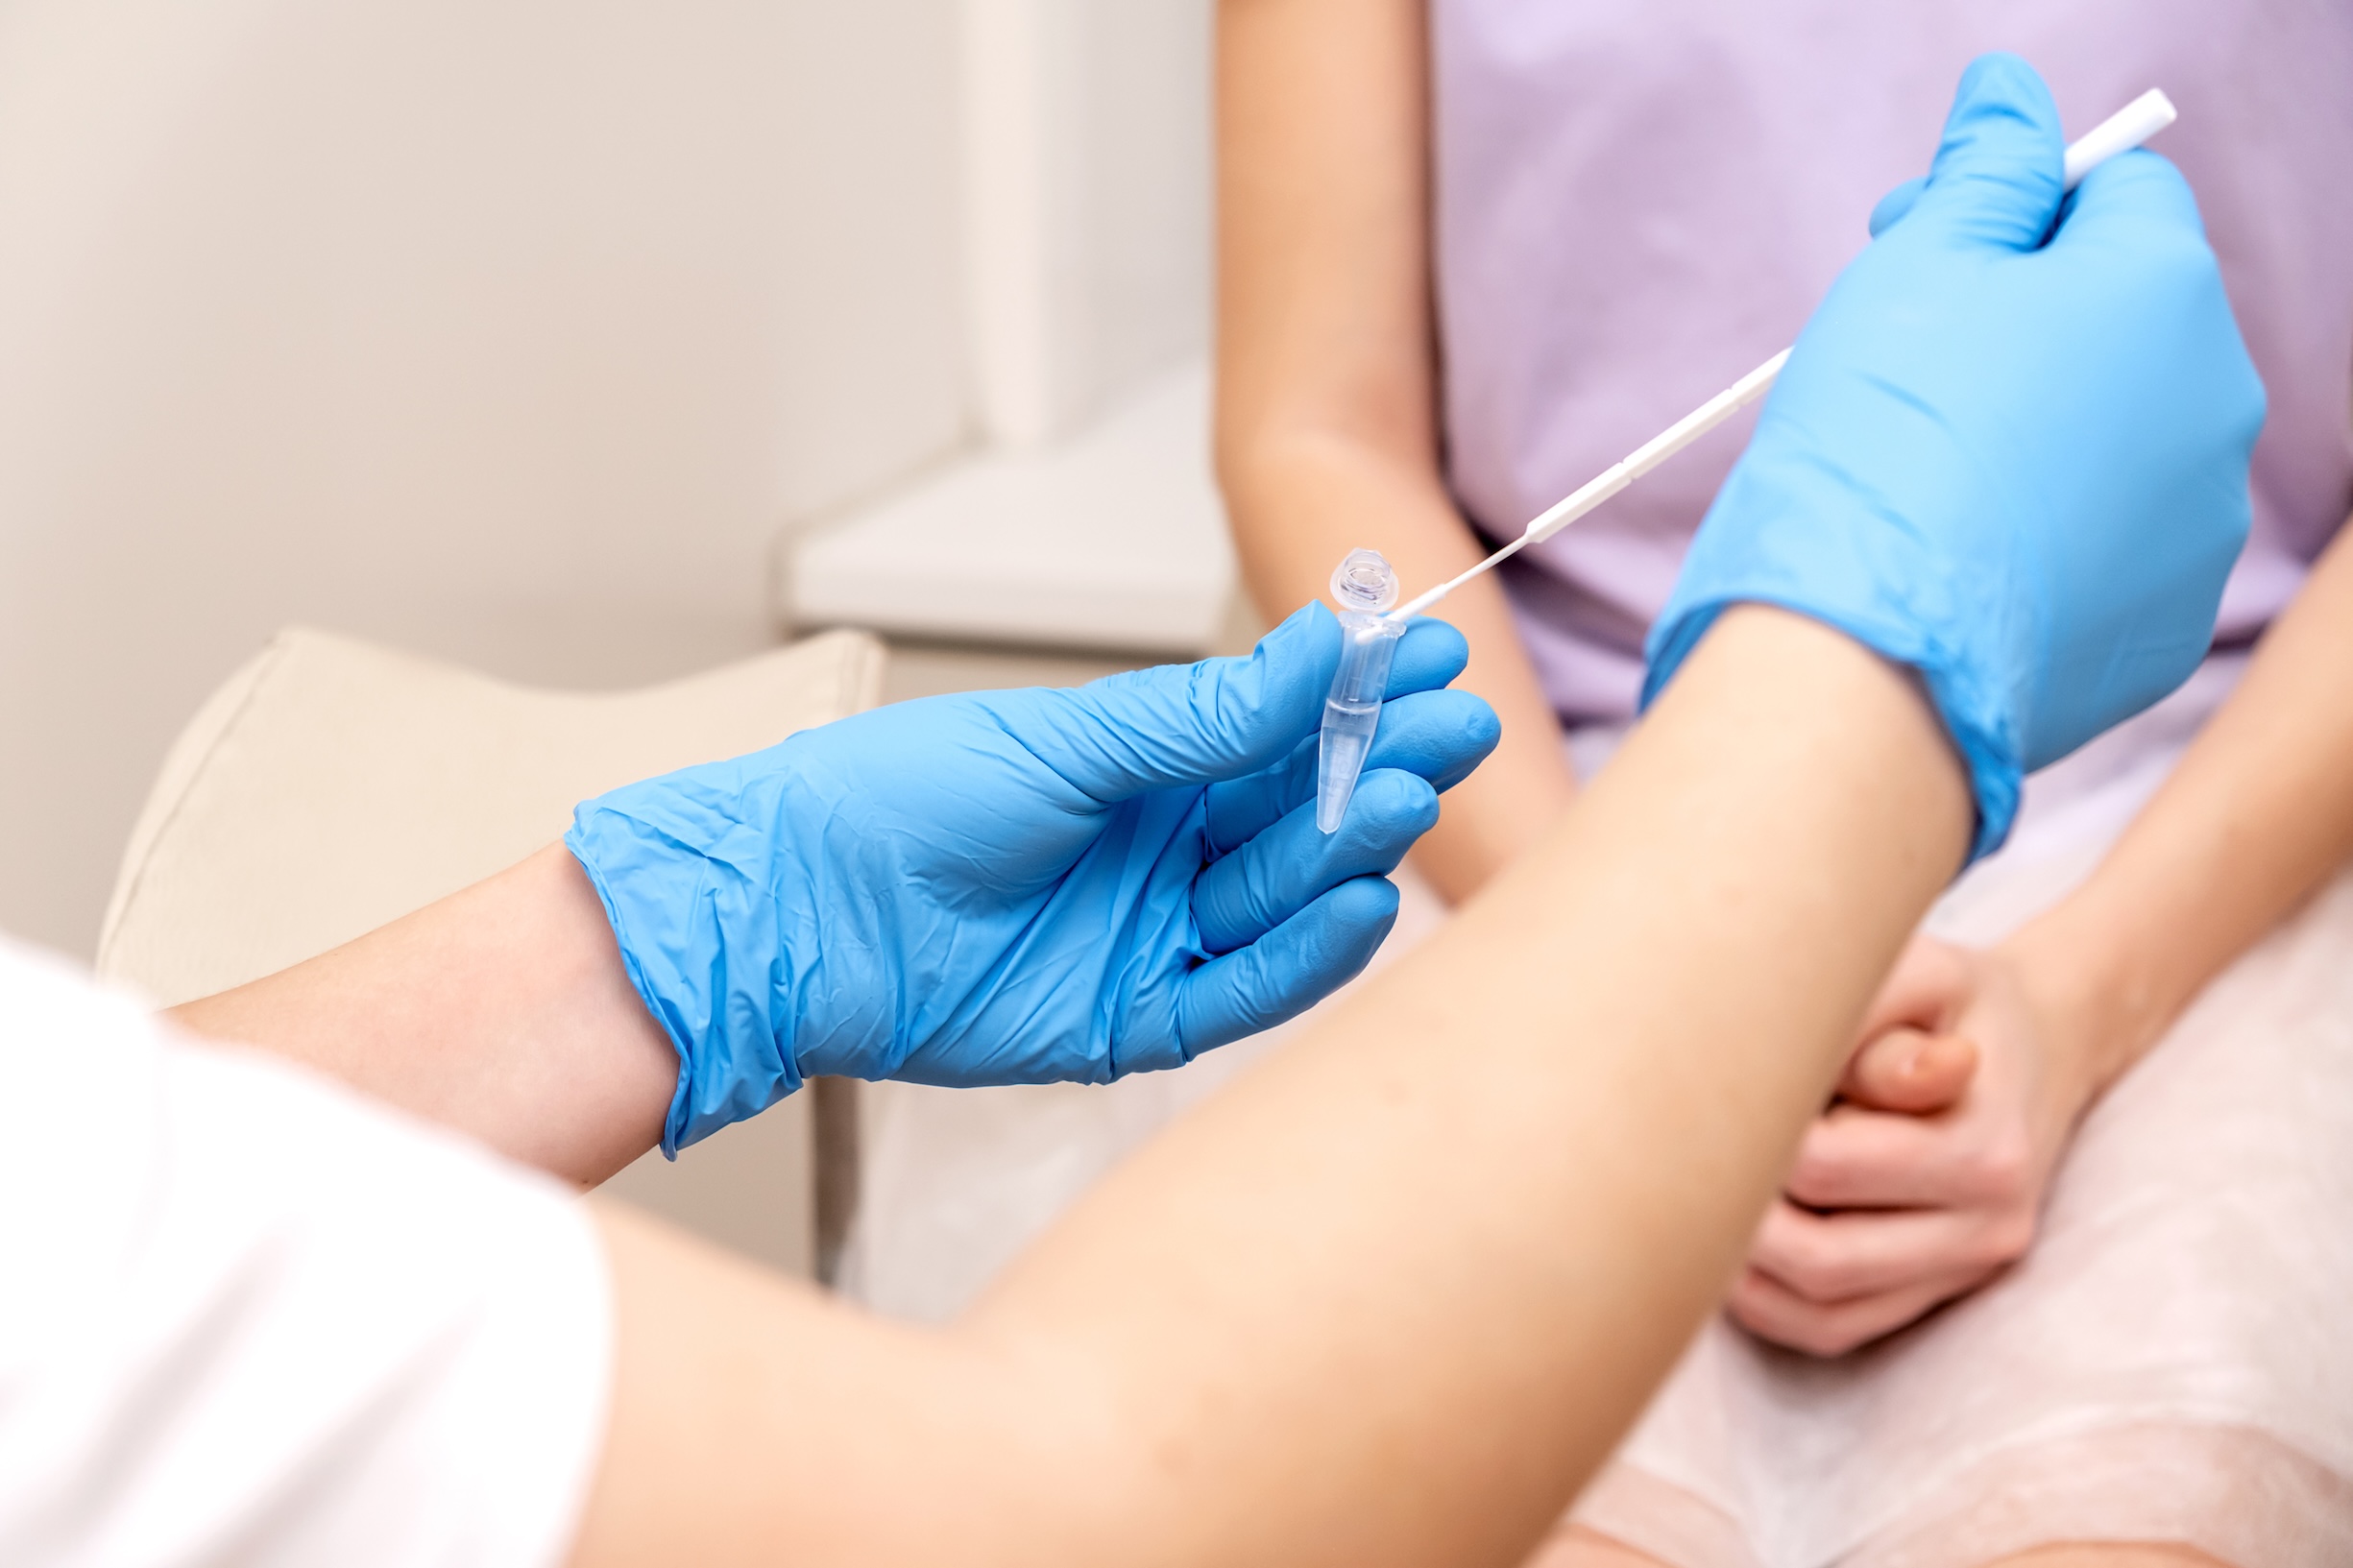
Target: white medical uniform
{"points": [[250, 1316]]}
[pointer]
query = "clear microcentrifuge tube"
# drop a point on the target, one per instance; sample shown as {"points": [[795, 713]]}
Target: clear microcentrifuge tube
{"points": [[1363, 586]]}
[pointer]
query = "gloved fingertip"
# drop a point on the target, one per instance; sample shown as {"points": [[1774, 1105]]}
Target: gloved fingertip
{"points": [[1999, 176], [1310, 622], [1999, 76], [1256, 709], [1184, 725], [1999, 93], [1394, 800], [1482, 729], [1365, 907], [1442, 735], [1304, 646], [1430, 655], [1897, 201]]}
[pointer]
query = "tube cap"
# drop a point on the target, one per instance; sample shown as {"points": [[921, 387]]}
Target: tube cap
{"points": [[1365, 583]]}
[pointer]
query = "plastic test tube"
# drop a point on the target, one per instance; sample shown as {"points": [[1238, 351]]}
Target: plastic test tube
{"points": [[1363, 587]]}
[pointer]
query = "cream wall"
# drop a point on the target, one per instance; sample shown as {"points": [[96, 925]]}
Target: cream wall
{"points": [[513, 332], [1086, 160], [504, 330], [1087, 515]]}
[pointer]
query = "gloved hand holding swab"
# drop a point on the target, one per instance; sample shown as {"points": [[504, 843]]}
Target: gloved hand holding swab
{"points": [[2122, 131]]}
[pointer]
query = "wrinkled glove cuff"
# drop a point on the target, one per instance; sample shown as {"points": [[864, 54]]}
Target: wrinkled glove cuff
{"points": [[717, 1007], [1979, 725]]}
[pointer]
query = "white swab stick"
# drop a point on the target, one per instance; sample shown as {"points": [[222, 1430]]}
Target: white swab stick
{"points": [[2122, 131]]}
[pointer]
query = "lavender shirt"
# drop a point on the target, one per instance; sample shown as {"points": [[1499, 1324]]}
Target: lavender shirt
{"points": [[1639, 199]]}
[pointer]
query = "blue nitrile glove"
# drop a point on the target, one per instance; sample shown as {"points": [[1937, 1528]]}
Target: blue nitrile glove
{"points": [[2009, 450], [1022, 886]]}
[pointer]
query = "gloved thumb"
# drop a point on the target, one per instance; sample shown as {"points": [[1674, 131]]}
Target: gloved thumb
{"points": [[1187, 724], [1895, 203], [2000, 172]]}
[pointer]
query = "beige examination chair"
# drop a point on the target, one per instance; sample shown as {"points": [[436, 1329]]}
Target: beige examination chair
{"points": [[329, 787]]}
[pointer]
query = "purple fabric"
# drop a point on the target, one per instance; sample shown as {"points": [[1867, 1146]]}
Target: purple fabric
{"points": [[1636, 201]]}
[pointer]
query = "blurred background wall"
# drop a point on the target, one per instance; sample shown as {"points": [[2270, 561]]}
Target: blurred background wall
{"points": [[518, 333]]}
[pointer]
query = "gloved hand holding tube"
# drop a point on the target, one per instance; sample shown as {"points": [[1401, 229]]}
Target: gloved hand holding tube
{"points": [[1022, 886], [2006, 388]]}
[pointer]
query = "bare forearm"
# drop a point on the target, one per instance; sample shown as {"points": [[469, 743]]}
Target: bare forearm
{"points": [[1395, 1294], [503, 1011], [1326, 396], [1442, 1288], [2256, 817]]}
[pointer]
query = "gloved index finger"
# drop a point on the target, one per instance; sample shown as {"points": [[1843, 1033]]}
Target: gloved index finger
{"points": [[1430, 655], [1997, 176], [1183, 724], [1215, 720]]}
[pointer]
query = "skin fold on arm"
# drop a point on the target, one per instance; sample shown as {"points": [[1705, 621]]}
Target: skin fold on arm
{"points": [[1326, 396], [1928, 1177]]}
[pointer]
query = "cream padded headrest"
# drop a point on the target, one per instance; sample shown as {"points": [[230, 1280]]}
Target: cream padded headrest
{"points": [[330, 786]]}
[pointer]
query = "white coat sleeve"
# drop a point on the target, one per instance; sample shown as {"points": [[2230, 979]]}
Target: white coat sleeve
{"points": [[247, 1315]]}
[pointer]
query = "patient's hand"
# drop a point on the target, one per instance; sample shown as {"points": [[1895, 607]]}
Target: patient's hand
{"points": [[1925, 1176]]}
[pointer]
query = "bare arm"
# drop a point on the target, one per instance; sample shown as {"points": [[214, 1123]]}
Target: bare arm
{"points": [[1225, 1324], [1326, 423], [1928, 1178], [2256, 818], [503, 1011], [1356, 1310]]}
